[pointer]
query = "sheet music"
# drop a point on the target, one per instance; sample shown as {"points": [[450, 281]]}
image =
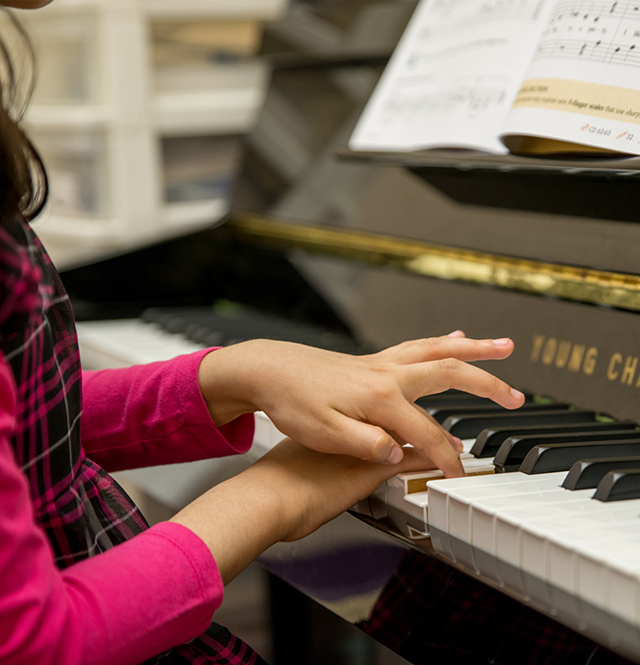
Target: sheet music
{"points": [[582, 84], [453, 76]]}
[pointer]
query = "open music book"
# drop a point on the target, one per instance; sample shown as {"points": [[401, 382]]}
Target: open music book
{"points": [[526, 76]]}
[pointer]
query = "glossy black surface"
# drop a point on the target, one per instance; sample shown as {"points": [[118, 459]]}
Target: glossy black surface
{"points": [[588, 473]]}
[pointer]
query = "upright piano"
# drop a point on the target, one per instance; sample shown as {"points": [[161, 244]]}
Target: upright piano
{"points": [[361, 251]]}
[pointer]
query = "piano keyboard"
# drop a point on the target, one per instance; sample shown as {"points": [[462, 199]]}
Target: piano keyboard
{"points": [[562, 550]]}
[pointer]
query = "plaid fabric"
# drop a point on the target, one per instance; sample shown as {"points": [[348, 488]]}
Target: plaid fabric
{"points": [[430, 613], [80, 507]]}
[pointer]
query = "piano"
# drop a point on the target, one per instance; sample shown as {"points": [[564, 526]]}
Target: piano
{"points": [[357, 252]]}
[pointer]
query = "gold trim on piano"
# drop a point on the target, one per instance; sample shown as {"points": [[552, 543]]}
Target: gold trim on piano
{"points": [[449, 263]]}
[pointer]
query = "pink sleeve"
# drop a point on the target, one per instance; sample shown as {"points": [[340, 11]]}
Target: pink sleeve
{"points": [[155, 414], [155, 591]]}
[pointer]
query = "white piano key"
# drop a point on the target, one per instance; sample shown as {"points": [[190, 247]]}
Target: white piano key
{"points": [[439, 492], [455, 506], [508, 521], [463, 501], [583, 516], [593, 560], [415, 508], [507, 538], [483, 527], [551, 545], [621, 561], [122, 343], [417, 505]]}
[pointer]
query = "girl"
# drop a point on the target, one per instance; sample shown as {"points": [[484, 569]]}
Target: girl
{"points": [[82, 577]]}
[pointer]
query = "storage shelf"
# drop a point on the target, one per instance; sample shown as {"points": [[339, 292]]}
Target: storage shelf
{"points": [[64, 116], [139, 145], [216, 111]]}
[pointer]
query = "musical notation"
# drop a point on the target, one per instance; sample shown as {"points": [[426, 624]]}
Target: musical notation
{"points": [[451, 15], [622, 54], [462, 100], [606, 32], [595, 10]]}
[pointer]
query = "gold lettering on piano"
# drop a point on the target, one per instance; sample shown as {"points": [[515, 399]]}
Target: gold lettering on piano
{"points": [[577, 353], [538, 341], [564, 348], [612, 371], [589, 365], [629, 370], [565, 354], [549, 351], [625, 372]]}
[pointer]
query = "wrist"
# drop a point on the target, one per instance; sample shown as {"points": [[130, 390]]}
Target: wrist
{"points": [[220, 379]]}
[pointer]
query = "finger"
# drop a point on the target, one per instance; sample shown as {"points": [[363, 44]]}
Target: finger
{"points": [[431, 440], [369, 442], [392, 350], [453, 440], [441, 375], [462, 348]]}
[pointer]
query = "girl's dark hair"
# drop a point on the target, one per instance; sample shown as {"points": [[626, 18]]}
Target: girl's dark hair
{"points": [[23, 181]]}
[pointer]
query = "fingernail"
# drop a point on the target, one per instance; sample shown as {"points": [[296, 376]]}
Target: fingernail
{"points": [[396, 456], [502, 341], [516, 393], [458, 444]]}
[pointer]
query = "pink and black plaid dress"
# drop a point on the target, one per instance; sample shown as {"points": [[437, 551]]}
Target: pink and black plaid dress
{"points": [[80, 507]]}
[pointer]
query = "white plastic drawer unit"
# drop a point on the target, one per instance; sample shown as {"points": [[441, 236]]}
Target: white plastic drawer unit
{"points": [[78, 173], [66, 49], [205, 76], [138, 112]]}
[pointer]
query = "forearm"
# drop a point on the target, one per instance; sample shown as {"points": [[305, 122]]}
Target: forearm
{"points": [[238, 520], [285, 495]]}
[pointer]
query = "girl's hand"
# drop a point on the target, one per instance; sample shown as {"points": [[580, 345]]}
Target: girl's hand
{"points": [[316, 487], [285, 495], [361, 406]]}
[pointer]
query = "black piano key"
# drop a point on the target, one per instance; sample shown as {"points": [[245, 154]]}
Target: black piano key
{"points": [[587, 473], [513, 451], [619, 485], [489, 440], [430, 403], [446, 414], [440, 414], [203, 325], [205, 336], [562, 456], [470, 426]]}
